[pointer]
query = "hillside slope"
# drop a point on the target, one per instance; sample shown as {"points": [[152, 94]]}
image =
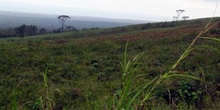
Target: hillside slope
{"points": [[88, 69]]}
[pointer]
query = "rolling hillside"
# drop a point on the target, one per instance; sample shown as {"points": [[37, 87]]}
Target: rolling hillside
{"points": [[159, 68]]}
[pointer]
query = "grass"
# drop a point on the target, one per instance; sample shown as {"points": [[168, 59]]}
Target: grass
{"points": [[86, 73], [129, 68]]}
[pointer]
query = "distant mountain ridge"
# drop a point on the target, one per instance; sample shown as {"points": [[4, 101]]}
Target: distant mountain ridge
{"points": [[49, 21]]}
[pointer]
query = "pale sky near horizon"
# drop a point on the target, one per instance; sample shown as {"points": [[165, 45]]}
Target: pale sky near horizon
{"points": [[151, 10]]}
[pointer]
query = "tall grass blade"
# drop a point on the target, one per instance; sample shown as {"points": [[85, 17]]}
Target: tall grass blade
{"points": [[45, 78], [129, 67], [211, 38], [47, 101], [184, 75]]}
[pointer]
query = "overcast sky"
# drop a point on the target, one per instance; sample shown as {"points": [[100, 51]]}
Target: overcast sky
{"points": [[153, 10]]}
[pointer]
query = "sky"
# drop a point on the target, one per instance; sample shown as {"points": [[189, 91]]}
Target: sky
{"points": [[150, 10]]}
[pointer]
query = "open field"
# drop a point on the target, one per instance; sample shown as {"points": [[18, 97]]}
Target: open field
{"points": [[85, 70]]}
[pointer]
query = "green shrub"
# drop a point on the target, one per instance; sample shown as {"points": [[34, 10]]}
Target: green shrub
{"points": [[190, 91]]}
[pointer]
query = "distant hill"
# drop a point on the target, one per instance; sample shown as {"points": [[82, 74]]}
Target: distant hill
{"points": [[14, 19]]}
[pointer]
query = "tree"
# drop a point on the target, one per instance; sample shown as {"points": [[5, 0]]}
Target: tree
{"points": [[146, 26], [7, 32], [174, 18], [179, 12], [71, 28], [62, 19], [185, 17], [31, 30], [42, 31], [21, 30], [26, 30]]}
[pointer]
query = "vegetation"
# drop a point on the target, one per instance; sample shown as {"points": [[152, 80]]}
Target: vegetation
{"points": [[171, 67], [21, 31], [62, 19]]}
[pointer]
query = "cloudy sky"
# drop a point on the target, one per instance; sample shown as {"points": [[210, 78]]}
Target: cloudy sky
{"points": [[153, 10]]}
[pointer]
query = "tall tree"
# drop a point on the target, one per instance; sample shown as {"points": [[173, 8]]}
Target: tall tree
{"points": [[62, 19], [179, 12]]}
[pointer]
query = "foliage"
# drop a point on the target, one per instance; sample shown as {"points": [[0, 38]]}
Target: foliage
{"points": [[21, 31], [26, 30], [189, 91]]}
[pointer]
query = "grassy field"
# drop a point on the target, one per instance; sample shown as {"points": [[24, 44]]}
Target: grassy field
{"points": [[95, 70]]}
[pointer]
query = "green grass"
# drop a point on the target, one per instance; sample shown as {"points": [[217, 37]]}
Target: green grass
{"points": [[125, 100], [99, 72]]}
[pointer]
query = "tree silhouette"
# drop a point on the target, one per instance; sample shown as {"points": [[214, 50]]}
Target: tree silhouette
{"points": [[42, 31], [185, 17], [62, 19], [21, 30], [174, 18], [71, 28], [26, 30], [31, 30], [179, 12]]}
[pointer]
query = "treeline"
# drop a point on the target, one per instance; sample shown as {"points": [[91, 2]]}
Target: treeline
{"points": [[30, 30], [21, 31], [139, 27], [156, 25]]}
